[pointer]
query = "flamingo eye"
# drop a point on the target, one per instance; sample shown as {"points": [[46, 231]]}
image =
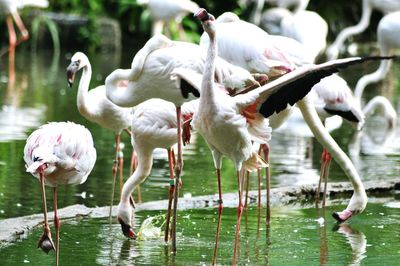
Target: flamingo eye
{"points": [[36, 158]]}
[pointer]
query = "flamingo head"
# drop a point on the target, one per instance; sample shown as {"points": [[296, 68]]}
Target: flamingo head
{"points": [[206, 19], [124, 214], [78, 61], [43, 160]]}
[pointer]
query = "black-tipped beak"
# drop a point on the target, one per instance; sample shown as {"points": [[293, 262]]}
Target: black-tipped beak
{"points": [[127, 229], [202, 15], [71, 70]]}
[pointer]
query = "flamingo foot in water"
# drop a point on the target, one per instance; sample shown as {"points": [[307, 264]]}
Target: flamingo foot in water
{"points": [[45, 242], [342, 216]]}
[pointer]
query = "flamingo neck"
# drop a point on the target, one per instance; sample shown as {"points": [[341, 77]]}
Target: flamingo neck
{"points": [[82, 98], [384, 104], [350, 31], [376, 76], [359, 198], [255, 16], [302, 5], [207, 84], [145, 163], [120, 95]]}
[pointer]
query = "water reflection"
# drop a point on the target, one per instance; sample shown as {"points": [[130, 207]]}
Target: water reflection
{"points": [[357, 241]]}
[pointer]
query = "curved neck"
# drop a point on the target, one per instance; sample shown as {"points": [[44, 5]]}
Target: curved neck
{"points": [[380, 102], [302, 5], [145, 163], [324, 138], [81, 99], [120, 95], [350, 31], [376, 76], [255, 16], [207, 84]]}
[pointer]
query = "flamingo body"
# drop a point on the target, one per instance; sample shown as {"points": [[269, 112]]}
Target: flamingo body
{"points": [[65, 148]]}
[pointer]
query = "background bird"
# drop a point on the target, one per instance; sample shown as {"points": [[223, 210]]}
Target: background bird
{"points": [[163, 12], [384, 6], [94, 106], [58, 153], [10, 8]]}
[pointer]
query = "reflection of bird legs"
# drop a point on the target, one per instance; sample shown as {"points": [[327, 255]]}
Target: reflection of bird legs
{"points": [[326, 159]]}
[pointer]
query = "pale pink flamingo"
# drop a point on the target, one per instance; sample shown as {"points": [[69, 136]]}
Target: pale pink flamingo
{"points": [[154, 126], [152, 76], [58, 153], [249, 52], [163, 12], [10, 8], [224, 121], [387, 43], [384, 6], [95, 107]]}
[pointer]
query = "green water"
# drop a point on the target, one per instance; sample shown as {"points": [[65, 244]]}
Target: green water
{"points": [[295, 238], [40, 94]]}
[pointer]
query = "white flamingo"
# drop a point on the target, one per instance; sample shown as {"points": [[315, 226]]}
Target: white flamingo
{"points": [[220, 116], [10, 8], [241, 51], [58, 153], [384, 6], [387, 42], [151, 76], [297, 25], [163, 12], [95, 107], [154, 126]]}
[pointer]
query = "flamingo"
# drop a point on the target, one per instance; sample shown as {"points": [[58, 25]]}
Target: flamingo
{"points": [[219, 116], [332, 96], [164, 11], [94, 106], [152, 76], [387, 42], [10, 8], [58, 153], [385, 6], [154, 126], [297, 25]]}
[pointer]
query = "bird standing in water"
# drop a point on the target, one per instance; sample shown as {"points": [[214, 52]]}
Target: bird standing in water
{"points": [[58, 153]]}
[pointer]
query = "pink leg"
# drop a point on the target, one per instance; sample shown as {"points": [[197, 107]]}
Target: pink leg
{"points": [[45, 241], [171, 192], [327, 167], [322, 174], [178, 171], [247, 189], [21, 27], [56, 225], [114, 172], [220, 207], [12, 36], [239, 216]]}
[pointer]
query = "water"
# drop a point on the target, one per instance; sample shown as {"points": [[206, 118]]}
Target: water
{"points": [[40, 94]]}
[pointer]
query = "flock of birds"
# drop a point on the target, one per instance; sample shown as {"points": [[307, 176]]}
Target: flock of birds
{"points": [[234, 88]]}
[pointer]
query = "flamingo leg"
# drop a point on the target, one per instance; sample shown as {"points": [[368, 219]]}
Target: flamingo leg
{"points": [[178, 171], [220, 207], [45, 241], [171, 192], [56, 225], [121, 169], [21, 27], [322, 174], [265, 148], [12, 36], [246, 198], [239, 215], [114, 173], [328, 164]]}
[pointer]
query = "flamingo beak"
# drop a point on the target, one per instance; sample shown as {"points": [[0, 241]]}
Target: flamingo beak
{"points": [[127, 229], [202, 15], [71, 70]]}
